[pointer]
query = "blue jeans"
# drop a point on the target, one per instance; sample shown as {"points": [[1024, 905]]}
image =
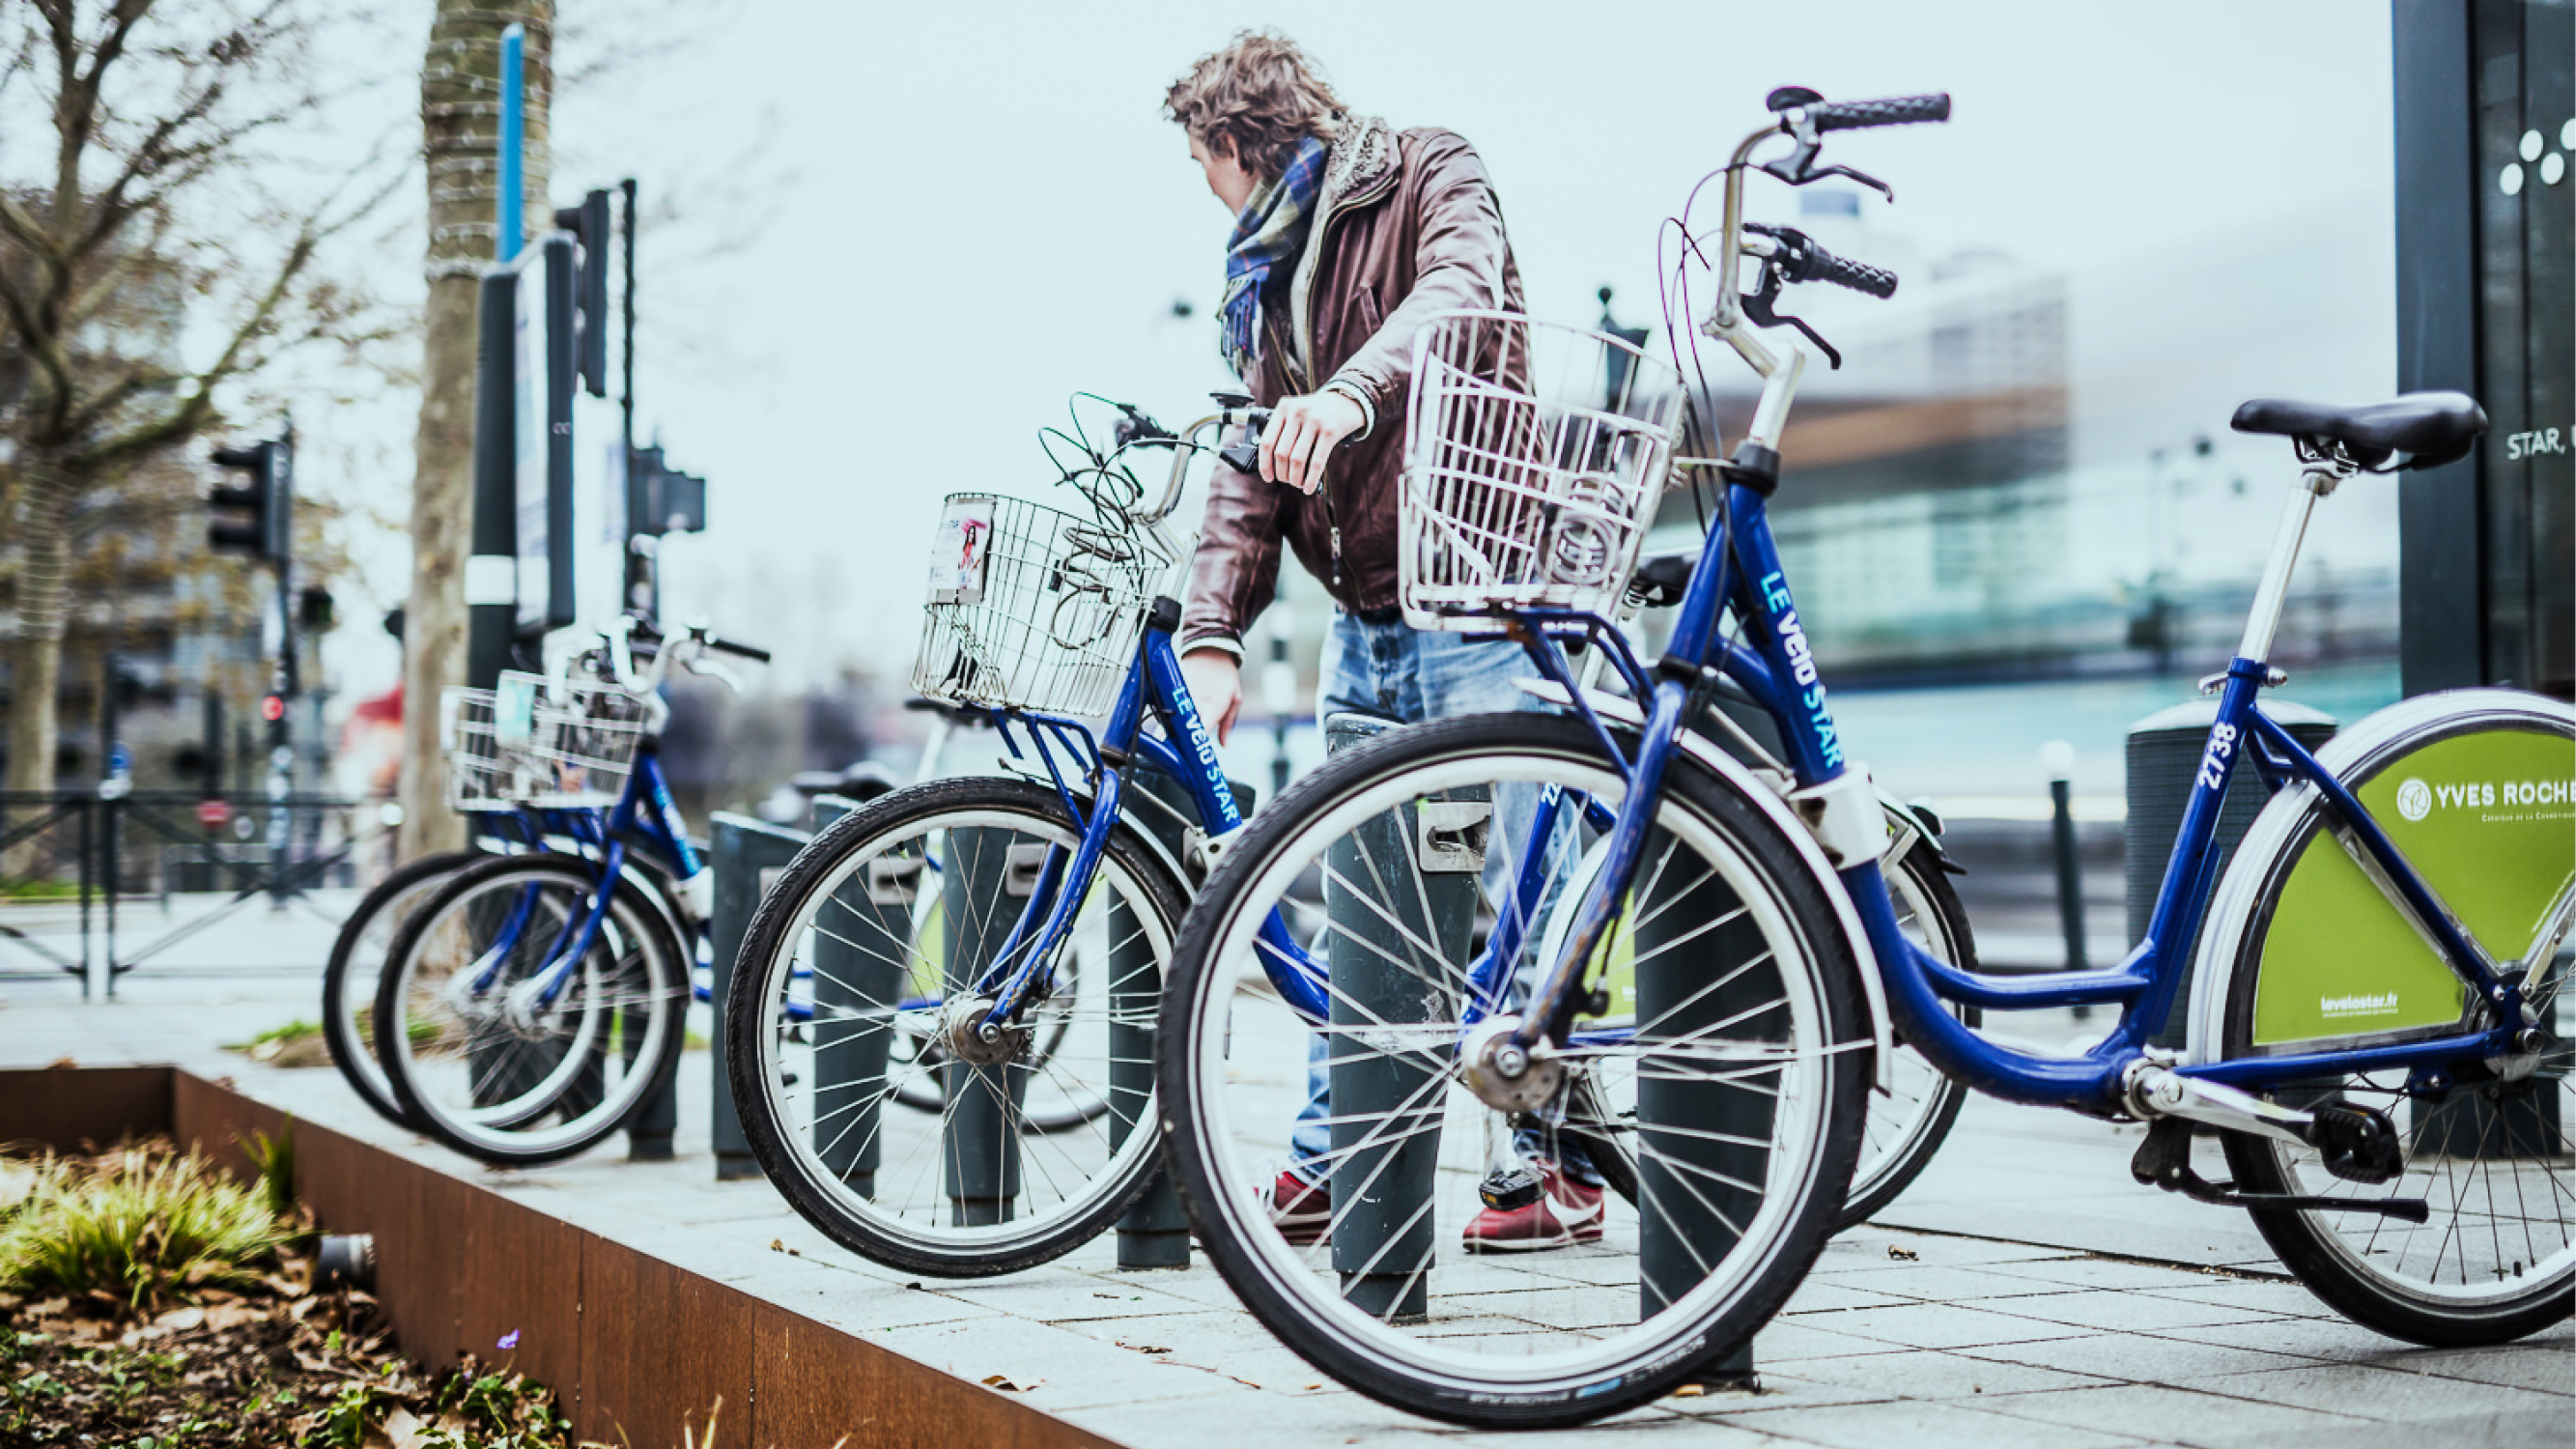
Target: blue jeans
{"points": [[1409, 675]]}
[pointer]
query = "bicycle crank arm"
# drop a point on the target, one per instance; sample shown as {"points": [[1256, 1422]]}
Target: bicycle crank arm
{"points": [[2155, 1092], [2164, 1161]]}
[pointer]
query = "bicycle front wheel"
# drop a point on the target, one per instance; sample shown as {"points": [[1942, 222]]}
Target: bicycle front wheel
{"points": [[520, 1019], [851, 995], [351, 976], [1359, 1199]]}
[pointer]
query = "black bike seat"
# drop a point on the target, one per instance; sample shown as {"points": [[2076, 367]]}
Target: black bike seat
{"points": [[2432, 427]]}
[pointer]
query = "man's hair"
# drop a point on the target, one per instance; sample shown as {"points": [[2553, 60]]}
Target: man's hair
{"points": [[1259, 96]]}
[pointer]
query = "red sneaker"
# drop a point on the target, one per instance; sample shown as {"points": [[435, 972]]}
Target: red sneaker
{"points": [[1526, 1216], [1302, 1211]]}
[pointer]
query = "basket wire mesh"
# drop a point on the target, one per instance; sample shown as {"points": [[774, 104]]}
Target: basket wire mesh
{"points": [[1031, 608], [533, 741], [1534, 458]]}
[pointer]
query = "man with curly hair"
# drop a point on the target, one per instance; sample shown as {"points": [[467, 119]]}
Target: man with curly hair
{"points": [[1349, 237]]}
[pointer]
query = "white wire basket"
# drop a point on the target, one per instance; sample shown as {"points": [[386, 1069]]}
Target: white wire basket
{"points": [[1029, 607], [550, 744], [1534, 457]]}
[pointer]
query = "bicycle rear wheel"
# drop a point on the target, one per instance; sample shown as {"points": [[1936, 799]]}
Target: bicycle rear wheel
{"points": [[2317, 960], [519, 1021], [844, 1003], [1729, 1047], [1910, 1116]]}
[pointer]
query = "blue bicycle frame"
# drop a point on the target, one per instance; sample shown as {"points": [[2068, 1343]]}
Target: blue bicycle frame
{"points": [[644, 814], [1186, 751], [1740, 567]]}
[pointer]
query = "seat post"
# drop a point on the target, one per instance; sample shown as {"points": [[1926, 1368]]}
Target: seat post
{"points": [[2318, 480]]}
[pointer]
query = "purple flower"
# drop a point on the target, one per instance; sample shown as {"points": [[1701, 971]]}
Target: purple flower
{"points": [[509, 1340]]}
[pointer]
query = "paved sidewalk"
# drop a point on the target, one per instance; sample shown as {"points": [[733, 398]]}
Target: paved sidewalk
{"points": [[2025, 1293]]}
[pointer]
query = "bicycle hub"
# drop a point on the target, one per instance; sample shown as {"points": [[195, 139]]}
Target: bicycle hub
{"points": [[971, 1039], [1505, 1075]]}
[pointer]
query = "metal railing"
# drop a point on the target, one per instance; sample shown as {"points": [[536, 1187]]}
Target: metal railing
{"points": [[69, 860]]}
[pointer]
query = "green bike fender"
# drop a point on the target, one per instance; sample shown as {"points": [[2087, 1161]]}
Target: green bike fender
{"points": [[2477, 788]]}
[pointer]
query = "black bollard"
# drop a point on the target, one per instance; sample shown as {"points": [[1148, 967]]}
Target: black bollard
{"points": [[862, 943], [1693, 1127], [1382, 898], [748, 855], [1155, 1233], [985, 884]]}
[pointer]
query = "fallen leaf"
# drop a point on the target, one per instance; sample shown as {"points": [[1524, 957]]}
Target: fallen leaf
{"points": [[62, 1064], [1906, 1255], [403, 1430], [1690, 1391], [180, 1320], [231, 1315], [778, 1245], [1141, 1348], [996, 1381], [915, 1285]]}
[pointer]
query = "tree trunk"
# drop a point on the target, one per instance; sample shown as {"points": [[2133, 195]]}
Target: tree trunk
{"points": [[461, 128], [36, 666]]}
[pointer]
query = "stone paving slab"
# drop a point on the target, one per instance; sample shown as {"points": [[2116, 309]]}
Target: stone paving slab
{"points": [[2024, 1293]]}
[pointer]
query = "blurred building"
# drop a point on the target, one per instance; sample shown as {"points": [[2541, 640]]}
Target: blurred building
{"points": [[2022, 471]]}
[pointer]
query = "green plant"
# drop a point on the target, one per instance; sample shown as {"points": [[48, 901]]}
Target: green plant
{"points": [[138, 1224], [296, 1030], [274, 1159]]}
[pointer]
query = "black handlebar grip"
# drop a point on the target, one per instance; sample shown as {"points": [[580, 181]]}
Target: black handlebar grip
{"points": [[1819, 265], [756, 656], [1901, 111]]}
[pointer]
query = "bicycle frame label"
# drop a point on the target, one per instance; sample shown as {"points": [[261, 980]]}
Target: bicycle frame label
{"points": [[2488, 819], [1203, 747], [1802, 668]]}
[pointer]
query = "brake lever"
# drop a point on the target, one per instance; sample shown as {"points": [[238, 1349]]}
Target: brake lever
{"points": [[717, 672], [1758, 306], [1799, 167]]}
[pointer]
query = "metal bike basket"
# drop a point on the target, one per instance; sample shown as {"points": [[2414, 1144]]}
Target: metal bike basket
{"points": [[1534, 458], [534, 741], [1030, 607]]}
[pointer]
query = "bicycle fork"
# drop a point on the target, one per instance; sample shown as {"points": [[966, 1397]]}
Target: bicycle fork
{"points": [[1512, 1062]]}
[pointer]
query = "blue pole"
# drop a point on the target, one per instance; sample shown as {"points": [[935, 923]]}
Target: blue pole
{"points": [[513, 137]]}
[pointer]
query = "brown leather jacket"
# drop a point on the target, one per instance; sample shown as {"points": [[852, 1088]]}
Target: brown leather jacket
{"points": [[1406, 226]]}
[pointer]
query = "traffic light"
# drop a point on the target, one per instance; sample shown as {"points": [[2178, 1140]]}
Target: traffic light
{"points": [[255, 516], [315, 609], [589, 222], [663, 499]]}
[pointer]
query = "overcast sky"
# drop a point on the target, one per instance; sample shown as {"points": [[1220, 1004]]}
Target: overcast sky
{"points": [[965, 212]]}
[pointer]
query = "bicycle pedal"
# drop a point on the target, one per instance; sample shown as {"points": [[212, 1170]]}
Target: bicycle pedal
{"points": [[2359, 1144], [1504, 1191]]}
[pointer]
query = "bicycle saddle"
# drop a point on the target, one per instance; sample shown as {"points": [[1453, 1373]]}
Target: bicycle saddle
{"points": [[2431, 427]]}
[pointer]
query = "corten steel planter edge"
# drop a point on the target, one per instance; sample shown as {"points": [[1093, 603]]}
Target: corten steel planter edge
{"points": [[637, 1349]]}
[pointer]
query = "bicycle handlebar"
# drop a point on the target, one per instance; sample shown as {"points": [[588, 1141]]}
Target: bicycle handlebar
{"points": [[1804, 259], [743, 651], [1897, 111], [1186, 442]]}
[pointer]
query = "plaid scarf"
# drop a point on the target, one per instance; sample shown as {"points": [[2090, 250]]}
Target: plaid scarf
{"points": [[1271, 229]]}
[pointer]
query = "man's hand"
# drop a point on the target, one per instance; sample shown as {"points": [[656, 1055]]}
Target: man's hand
{"points": [[1302, 435], [1216, 687]]}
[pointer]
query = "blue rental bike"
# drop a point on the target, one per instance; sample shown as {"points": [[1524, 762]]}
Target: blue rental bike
{"points": [[1709, 972], [990, 950], [528, 1002]]}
